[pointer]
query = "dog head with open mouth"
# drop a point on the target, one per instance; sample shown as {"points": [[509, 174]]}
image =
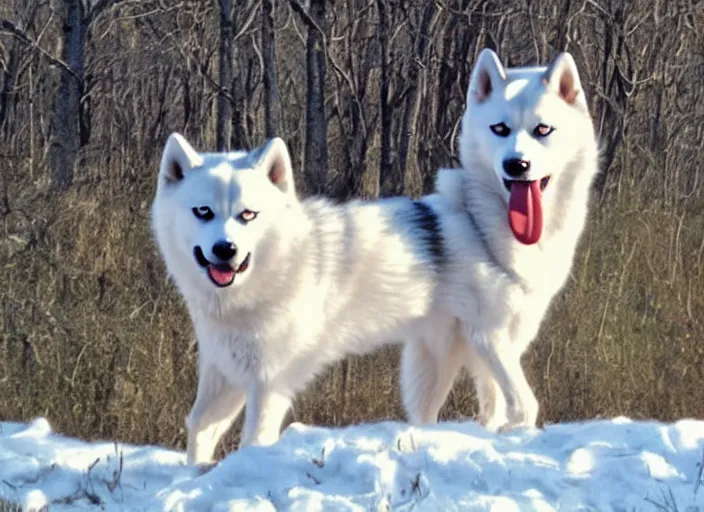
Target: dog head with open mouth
{"points": [[528, 125], [212, 210]]}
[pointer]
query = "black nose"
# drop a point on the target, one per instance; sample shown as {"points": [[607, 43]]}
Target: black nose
{"points": [[224, 250], [516, 167]]}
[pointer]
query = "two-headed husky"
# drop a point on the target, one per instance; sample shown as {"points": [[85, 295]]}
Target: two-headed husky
{"points": [[279, 288]]}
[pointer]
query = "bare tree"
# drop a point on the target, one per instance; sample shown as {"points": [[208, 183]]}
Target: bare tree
{"points": [[353, 57], [11, 60], [316, 151], [246, 79], [66, 125], [417, 81], [71, 118], [224, 110], [386, 159], [272, 100]]}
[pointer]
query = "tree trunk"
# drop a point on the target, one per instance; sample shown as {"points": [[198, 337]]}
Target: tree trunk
{"points": [[66, 118], [417, 76], [272, 101], [315, 159], [8, 77], [386, 160], [224, 109], [241, 130]]}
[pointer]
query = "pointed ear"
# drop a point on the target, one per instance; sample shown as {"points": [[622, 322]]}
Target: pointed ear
{"points": [[274, 159], [487, 76], [562, 77], [178, 158]]}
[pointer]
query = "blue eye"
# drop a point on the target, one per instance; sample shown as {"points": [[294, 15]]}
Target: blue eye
{"points": [[203, 213], [500, 129]]}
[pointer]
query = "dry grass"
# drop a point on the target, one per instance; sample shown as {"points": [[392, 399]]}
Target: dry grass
{"points": [[92, 335], [6, 506], [94, 338], [623, 338]]}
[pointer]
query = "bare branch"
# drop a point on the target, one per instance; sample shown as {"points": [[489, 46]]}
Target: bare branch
{"points": [[13, 29], [296, 5]]}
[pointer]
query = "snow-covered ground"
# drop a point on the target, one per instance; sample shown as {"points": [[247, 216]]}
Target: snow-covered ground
{"points": [[595, 465]]}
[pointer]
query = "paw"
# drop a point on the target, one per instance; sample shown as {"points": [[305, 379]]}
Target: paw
{"points": [[507, 428], [519, 420], [204, 467], [524, 415], [492, 423]]}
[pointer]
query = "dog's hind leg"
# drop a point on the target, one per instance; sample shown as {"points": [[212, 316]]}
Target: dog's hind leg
{"points": [[266, 410], [216, 406], [427, 375]]}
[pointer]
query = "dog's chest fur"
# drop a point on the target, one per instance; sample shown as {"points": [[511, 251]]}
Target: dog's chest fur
{"points": [[245, 345]]}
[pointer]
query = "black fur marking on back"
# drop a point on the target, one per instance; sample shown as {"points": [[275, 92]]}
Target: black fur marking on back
{"points": [[426, 219]]}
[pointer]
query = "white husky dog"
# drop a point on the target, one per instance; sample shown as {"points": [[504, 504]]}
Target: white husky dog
{"points": [[529, 156], [278, 288]]}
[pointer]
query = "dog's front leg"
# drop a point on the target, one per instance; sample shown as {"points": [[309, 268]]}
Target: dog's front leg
{"points": [[492, 404], [501, 360], [266, 410], [216, 406]]}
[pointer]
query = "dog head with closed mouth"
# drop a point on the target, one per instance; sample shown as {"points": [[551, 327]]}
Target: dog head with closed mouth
{"points": [[528, 125], [212, 210]]}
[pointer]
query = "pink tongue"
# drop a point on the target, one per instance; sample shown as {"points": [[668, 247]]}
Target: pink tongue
{"points": [[221, 274], [525, 211]]}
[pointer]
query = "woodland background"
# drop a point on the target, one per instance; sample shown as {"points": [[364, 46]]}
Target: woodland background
{"points": [[368, 94]]}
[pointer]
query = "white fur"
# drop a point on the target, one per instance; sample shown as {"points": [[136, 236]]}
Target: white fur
{"points": [[501, 289], [324, 281]]}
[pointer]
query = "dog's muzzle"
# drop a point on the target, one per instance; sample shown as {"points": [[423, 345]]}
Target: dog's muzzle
{"points": [[221, 274]]}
